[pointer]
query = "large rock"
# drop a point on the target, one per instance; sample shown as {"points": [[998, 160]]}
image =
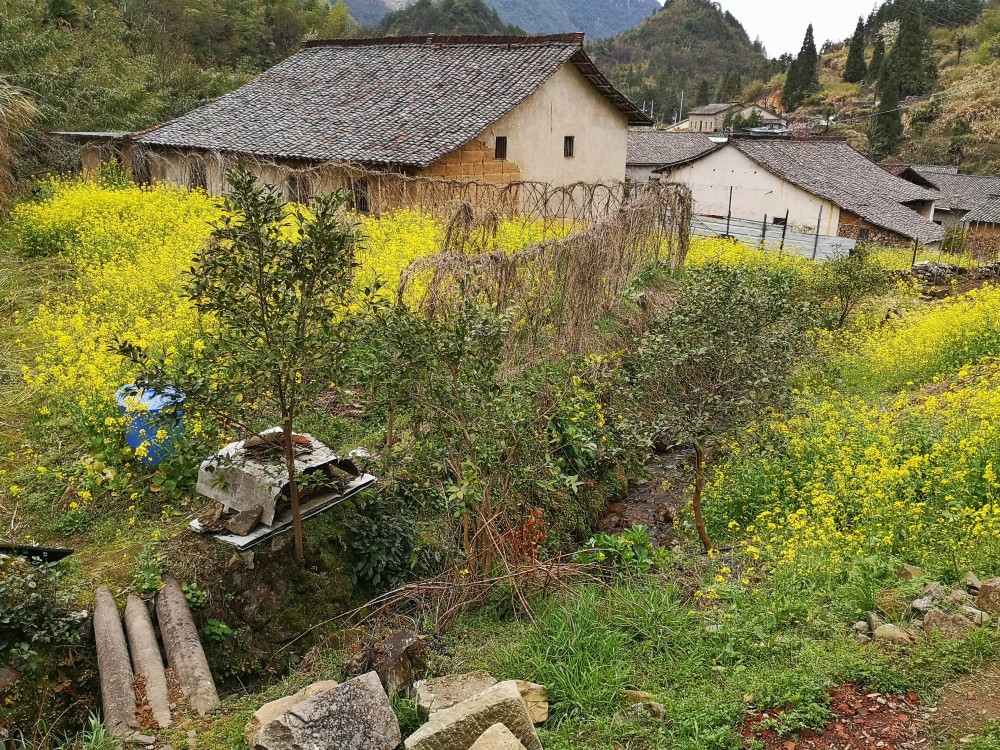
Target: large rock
{"points": [[874, 621], [976, 615], [458, 727], [972, 583], [444, 692], [909, 572], [950, 626], [893, 634], [278, 708], [536, 700], [989, 597], [399, 659], [356, 715], [497, 737]]}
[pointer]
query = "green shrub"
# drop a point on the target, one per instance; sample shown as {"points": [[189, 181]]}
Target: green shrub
{"points": [[33, 611]]}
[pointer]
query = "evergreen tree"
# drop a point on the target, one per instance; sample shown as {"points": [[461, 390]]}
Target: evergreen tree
{"points": [[856, 69], [911, 62], [803, 75], [704, 94], [878, 57], [887, 127]]}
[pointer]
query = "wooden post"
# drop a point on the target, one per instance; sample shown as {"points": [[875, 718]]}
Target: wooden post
{"points": [[763, 231], [729, 212], [914, 262], [819, 220], [784, 230]]}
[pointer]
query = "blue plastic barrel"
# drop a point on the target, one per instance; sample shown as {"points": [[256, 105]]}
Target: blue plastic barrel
{"points": [[147, 412]]}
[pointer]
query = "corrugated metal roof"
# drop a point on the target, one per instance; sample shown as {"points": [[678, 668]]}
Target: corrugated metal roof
{"points": [[388, 101]]}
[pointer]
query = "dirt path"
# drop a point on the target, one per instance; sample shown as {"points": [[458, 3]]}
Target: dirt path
{"points": [[968, 705]]}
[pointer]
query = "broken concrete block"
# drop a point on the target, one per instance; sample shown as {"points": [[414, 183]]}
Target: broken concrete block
{"points": [[356, 715], [278, 708], [243, 522], [536, 700], [497, 737], [458, 727], [444, 692]]}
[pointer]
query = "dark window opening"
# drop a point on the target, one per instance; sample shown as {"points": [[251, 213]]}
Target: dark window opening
{"points": [[198, 177], [500, 151], [299, 188], [863, 234], [362, 203], [778, 221], [569, 143]]}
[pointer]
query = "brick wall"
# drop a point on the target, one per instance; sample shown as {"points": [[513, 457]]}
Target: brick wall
{"points": [[474, 161]]}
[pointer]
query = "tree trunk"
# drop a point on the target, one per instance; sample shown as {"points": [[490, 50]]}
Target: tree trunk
{"points": [[699, 487], [293, 490]]}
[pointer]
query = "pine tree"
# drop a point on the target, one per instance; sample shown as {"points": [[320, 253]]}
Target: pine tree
{"points": [[878, 57], [912, 63], [856, 69], [803, 75], [887, 127], [704, 94]]}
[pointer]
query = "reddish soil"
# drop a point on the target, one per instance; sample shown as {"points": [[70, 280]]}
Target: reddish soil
{"points": [[863, 720]]}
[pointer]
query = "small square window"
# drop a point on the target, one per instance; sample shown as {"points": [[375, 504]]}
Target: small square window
{"points": [[501, 147], [863, 234], [569, 144], [362, 203]]}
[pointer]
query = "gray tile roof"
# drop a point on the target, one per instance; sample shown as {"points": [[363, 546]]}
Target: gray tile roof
{"points": [[660, 148], [714, 109], [987, 212], [962, 192], [390, 101], [835, 171]]}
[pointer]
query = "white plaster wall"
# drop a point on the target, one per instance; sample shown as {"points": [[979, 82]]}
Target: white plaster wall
{"points": [[566, 104], [755, 191], [641, 174]]}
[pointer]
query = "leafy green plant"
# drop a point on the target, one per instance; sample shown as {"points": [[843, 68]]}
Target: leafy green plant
{"points": [[147, 575], [33, 611], [196, 598], [74, 521], [630, 552], [217, 630], [380, 538]]}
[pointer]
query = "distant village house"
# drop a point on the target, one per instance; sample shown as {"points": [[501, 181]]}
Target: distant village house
{"points": [[718, 118], [819, 185], [491, 108]]}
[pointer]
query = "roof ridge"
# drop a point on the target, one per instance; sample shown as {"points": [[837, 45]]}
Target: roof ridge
{"points": [[575, 38]]}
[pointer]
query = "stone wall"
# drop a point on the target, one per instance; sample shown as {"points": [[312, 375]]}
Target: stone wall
{"points": [[851, 226]]}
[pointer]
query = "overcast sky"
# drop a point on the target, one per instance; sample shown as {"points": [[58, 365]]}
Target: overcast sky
{"points": [[781, 24]]}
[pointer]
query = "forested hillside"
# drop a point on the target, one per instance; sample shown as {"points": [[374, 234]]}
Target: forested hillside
{"points": [[689, 46], [916, 82], [110, 66], [447, 16], [597, 18]]}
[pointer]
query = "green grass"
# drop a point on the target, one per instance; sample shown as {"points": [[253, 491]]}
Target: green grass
{"points": [[779, 645]]}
